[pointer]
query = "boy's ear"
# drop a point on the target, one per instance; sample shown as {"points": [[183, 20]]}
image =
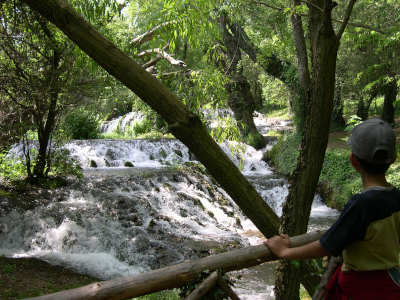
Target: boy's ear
{"points": [[354, 161]]}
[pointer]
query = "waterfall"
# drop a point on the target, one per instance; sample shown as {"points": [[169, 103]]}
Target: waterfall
{"points": [[139, 208]]}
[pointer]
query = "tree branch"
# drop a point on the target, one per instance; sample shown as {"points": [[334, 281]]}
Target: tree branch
{"points": [[147, 36], [346, 19], [163, 54], [301, 50], [358, 25]]}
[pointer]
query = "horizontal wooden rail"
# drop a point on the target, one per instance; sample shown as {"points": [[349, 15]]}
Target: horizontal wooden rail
{"points": [[176, 275]]}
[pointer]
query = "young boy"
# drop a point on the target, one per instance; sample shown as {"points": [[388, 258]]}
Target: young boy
{"points": [[367, 232]]}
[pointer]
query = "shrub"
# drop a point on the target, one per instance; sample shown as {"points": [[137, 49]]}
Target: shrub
{"points": [[81, 125], [284, 153], [340, 177]]}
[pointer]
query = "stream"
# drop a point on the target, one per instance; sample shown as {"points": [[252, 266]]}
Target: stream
{"points": [[147, 204]]}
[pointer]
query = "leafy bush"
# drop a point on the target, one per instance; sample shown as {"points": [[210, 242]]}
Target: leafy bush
{"points": [[227, 129], [10, 169], [142, 127], [64, 165], [352, 122], [81, 125], [340, 177], [284, 153]]}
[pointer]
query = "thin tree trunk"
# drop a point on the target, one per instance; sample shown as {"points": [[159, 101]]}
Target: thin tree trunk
{"points": [[319, 103], [337, 120], [390, 94], [277, 68]]}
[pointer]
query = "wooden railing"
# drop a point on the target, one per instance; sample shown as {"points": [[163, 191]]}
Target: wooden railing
{"points": [[180, 274]]}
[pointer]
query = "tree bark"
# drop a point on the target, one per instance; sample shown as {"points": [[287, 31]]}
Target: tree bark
{"points": [[182, 123], [390, 94], [363, 107], [176, 275], [319, 103], [337, 120], [277, 68], [241, 100]]}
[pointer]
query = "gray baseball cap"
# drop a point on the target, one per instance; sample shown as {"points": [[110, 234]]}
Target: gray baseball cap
{"points": [[371, 136]]}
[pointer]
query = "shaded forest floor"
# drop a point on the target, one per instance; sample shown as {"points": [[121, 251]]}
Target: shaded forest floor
{"points": [[29, 277]]}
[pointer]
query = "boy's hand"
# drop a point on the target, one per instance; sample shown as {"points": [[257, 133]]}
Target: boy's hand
{"points": [[278, 244]]}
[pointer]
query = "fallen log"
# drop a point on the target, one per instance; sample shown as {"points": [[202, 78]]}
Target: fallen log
{"points": [[176, 275]]}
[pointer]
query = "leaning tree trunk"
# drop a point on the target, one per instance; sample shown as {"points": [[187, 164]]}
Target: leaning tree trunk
{"points": [[181, 122], [318, 91], [390, 94]]}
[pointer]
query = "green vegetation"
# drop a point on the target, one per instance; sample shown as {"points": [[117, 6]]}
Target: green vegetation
{"points": [[148, 128], [284, 154], [164, 295], [81, 125]]}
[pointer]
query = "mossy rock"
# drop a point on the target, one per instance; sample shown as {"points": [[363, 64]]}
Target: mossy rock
{"points": [[128, 164], [93, 164]]}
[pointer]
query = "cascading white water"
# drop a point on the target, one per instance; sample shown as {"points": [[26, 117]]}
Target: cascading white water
{"points": [[121, 123], [121, 220]]}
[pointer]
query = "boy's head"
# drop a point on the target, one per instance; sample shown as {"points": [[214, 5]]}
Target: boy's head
{"points": [[373, 142]]}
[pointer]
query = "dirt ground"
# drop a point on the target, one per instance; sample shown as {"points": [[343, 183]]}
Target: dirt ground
{"points": [[28, 277]]}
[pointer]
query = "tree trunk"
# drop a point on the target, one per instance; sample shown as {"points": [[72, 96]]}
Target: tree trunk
{"points": [[319, 93], [241, 100], [337, 120], [390, 94], [363, 107], [277, 68]]}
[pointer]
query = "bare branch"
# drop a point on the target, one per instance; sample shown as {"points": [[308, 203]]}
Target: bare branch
{"points": [[186, 73], [155, 60], [152, 62], [147, 36], [268, 5], [163, 54]]}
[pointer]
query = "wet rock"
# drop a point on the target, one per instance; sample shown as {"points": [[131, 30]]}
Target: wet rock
{"points": [[110, 154], [92, 164], [128, 164], [178, 152]]}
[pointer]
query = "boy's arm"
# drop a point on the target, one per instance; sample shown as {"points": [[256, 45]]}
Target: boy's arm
{"points": [[280, 246]]}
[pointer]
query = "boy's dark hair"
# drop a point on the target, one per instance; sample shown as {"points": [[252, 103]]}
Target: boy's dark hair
{"points": [[373, 168]]}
